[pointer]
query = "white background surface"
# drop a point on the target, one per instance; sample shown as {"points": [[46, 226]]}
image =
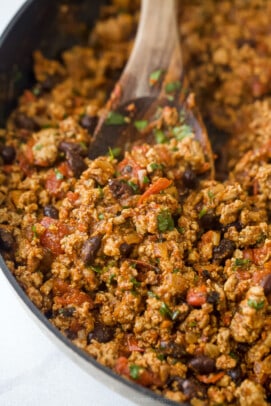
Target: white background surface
{"points": [[33, 371]]}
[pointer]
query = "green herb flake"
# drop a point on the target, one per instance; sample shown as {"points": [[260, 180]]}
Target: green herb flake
{"points": [[165, 310], [135, 371], [153, 295], [101, 191], [192, 324], [154, 166], [59, 175], [133, 186], [100, 216], [140, 125], [255, 305], [135, 283], [38, 147], [34, 230], [114, 118], [233, 355], [176, 270], [112, 278], [146, 180], [165, 221], [155, 76], [181, 230], [160, 137], [114, 152], [240, 262], [97, 269], [36, 91], [202, 212], [161, 357], [211, 195], [173, 86], [182, 131]]}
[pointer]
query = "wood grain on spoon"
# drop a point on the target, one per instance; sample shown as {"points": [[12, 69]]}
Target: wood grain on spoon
{"points": [[156, 51]]}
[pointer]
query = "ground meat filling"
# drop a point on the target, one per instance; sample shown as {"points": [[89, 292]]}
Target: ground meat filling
{"points": [[155, 271]]}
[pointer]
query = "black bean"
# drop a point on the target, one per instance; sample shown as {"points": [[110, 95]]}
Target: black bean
{"points": [[46, 261], [190, 179], [50, 82], [50, 211], [8, 154], [192, 388], [210, 221], [6, 240], [126, 249], [21, 120], [89, 123], [173, 349], [266, 284], [71, 335], [202, 365], [236, 374], [224, 250], [213, 297], [242, 348], [76, 163], [206, 274], [101, 333], [235, 224], [119, 188], [90, 249], [72, 147], [66, 311], [48, 314]]}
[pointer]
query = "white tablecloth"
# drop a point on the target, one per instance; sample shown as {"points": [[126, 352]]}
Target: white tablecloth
{"points": [[33, 371]]}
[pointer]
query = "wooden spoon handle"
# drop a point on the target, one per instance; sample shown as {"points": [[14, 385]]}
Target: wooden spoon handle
{"points": [[157, 46]]}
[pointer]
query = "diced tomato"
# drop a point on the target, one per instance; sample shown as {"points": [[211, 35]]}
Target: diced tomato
{"points": [[72, 197], [55, 178], [158, 186], [133, 344], [212, 378], [197, 296], [128, 167], [54, 231], [258, 255], [65, 294], [122, 366]]}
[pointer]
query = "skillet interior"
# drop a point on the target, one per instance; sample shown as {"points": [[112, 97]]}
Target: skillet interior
{"points": [[53, 26]]}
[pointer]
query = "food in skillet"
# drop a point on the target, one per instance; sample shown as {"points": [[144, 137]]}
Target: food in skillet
{"points": [[158, 273]]}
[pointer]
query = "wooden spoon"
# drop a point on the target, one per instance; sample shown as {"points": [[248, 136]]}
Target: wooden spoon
{"points": [[156, 53]]}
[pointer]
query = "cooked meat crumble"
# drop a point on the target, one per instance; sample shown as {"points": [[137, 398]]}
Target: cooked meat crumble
{"points": [[138, 257]]}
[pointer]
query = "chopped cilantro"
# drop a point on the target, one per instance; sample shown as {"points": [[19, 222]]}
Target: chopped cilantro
{"points": [[146, 180], [112, 278], [133, 186], [114, 152], [101, 191], [255, 305], [161, 357], [160, 137], [38, 147], [181, 230], [233, 355], [36, 91], [182, 131], [165, 221], [34, 230], [154, 166], [202, 212], [192, 324], [173, 86], [114, 118], [140, 125], [153, 295], [239, 262], [134, 371], [165, 310], [211, 195], [176, 270], [100, 216], [155, 76], [97, 269], [135, 283], [58, 174]]}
